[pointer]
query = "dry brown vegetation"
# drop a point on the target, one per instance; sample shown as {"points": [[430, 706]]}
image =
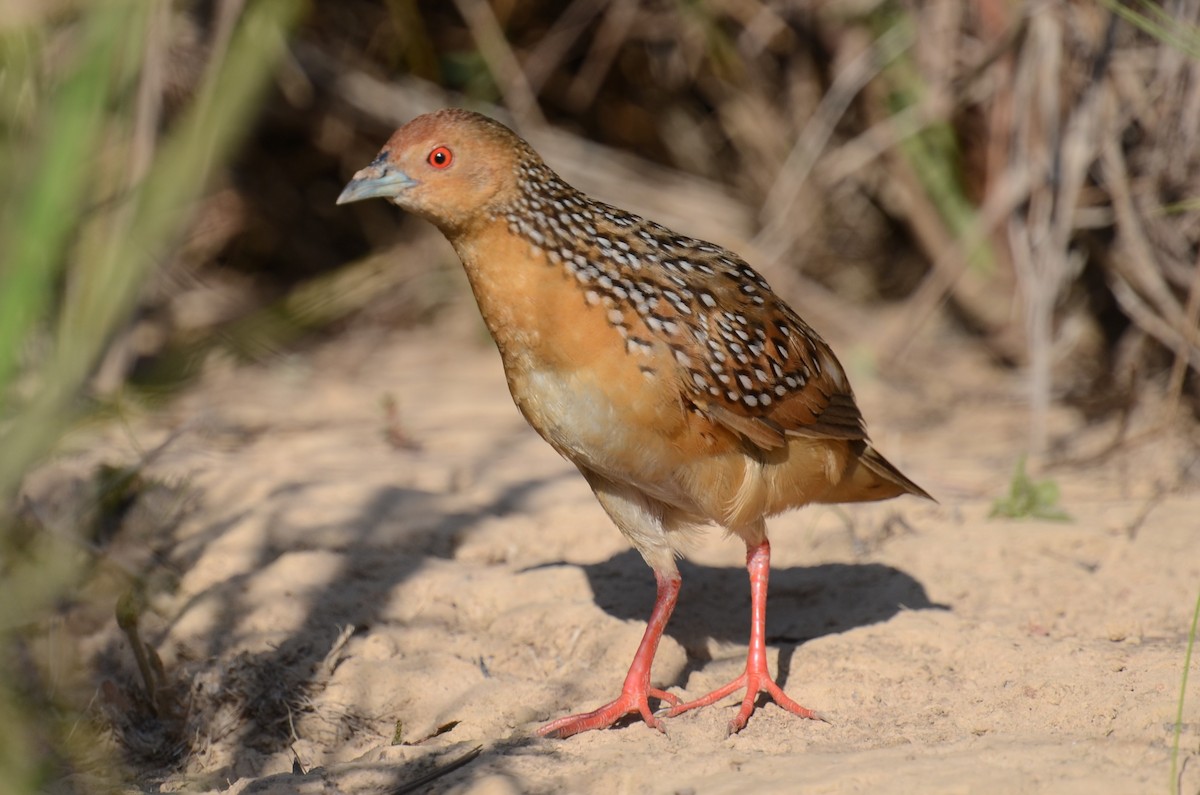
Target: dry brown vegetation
{"points": [[1029, 170], [1020, 178]]}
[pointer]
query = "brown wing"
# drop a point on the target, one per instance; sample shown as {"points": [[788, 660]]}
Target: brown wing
{"points": [[763, 372], [742, 355]]}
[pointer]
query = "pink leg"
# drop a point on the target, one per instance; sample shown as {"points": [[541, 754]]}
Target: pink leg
{"points": [[636, 690], [756, 679]]}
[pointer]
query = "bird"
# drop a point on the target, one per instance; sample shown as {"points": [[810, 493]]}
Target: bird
{"points": [[685, 391]]}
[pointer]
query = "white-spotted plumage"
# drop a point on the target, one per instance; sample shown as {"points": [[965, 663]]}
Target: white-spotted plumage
{"points": [[734, 340]]}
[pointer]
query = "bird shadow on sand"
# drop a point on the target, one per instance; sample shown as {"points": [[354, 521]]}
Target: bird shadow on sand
{"points": [[803, 602]]}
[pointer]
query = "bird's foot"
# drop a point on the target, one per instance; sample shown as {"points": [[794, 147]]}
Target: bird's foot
{"points": [[755, 682], [630, 701]]}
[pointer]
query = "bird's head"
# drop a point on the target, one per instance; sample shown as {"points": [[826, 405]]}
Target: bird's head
{"points": [[450, 167]]}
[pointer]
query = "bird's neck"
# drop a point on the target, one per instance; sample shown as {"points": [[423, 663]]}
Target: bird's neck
{"points": [[511, 281]]}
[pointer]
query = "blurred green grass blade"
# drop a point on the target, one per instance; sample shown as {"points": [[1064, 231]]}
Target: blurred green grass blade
{"points": [[1177, 731], [1159, 24], [46, 567], [20, 53], [18, 760], [105, 282], [77, 241], [38, 224], [933, 152], [178, 175]]}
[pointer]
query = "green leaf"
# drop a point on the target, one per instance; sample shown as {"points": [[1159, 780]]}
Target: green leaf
{"points": [[1029, 499]]}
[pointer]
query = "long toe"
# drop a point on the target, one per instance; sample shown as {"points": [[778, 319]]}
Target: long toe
{"points": [[602, 718], [711, 698], [754, 683]]}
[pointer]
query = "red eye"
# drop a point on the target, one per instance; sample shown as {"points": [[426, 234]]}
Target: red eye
{"points": [[441, 157]]}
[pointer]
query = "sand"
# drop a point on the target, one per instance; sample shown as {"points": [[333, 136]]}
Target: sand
{"points": [[362, 596]]}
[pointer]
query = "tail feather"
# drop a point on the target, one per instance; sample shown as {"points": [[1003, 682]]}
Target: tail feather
{"points": [[874, 478]]}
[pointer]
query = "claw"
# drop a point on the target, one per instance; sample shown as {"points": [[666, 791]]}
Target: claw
{"points": [[629, 702], [756, 678], [636, 692]]}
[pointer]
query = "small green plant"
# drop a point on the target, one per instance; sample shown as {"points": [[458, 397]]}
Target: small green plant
{"points": [[1177, 730], [1029, 499]]}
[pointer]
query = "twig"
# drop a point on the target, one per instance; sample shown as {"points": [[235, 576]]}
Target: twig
{"points": [[950, 262], [1137, 267], [1040, 240], [860, 151], [334, 655], [1145, 317], [449, 767], [297, 764], [502, 62], [548, 53], [778, 208], [1191, 318], [615, 26]]}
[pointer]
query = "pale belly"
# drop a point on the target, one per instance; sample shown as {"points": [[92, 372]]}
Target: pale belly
{"points": [[610, 427]]}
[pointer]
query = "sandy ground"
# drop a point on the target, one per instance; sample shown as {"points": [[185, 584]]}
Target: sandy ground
{"points": [[360, 601]]}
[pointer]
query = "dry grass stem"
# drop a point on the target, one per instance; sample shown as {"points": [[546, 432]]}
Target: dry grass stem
{"points": [[778, 212], [493, 46]]}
